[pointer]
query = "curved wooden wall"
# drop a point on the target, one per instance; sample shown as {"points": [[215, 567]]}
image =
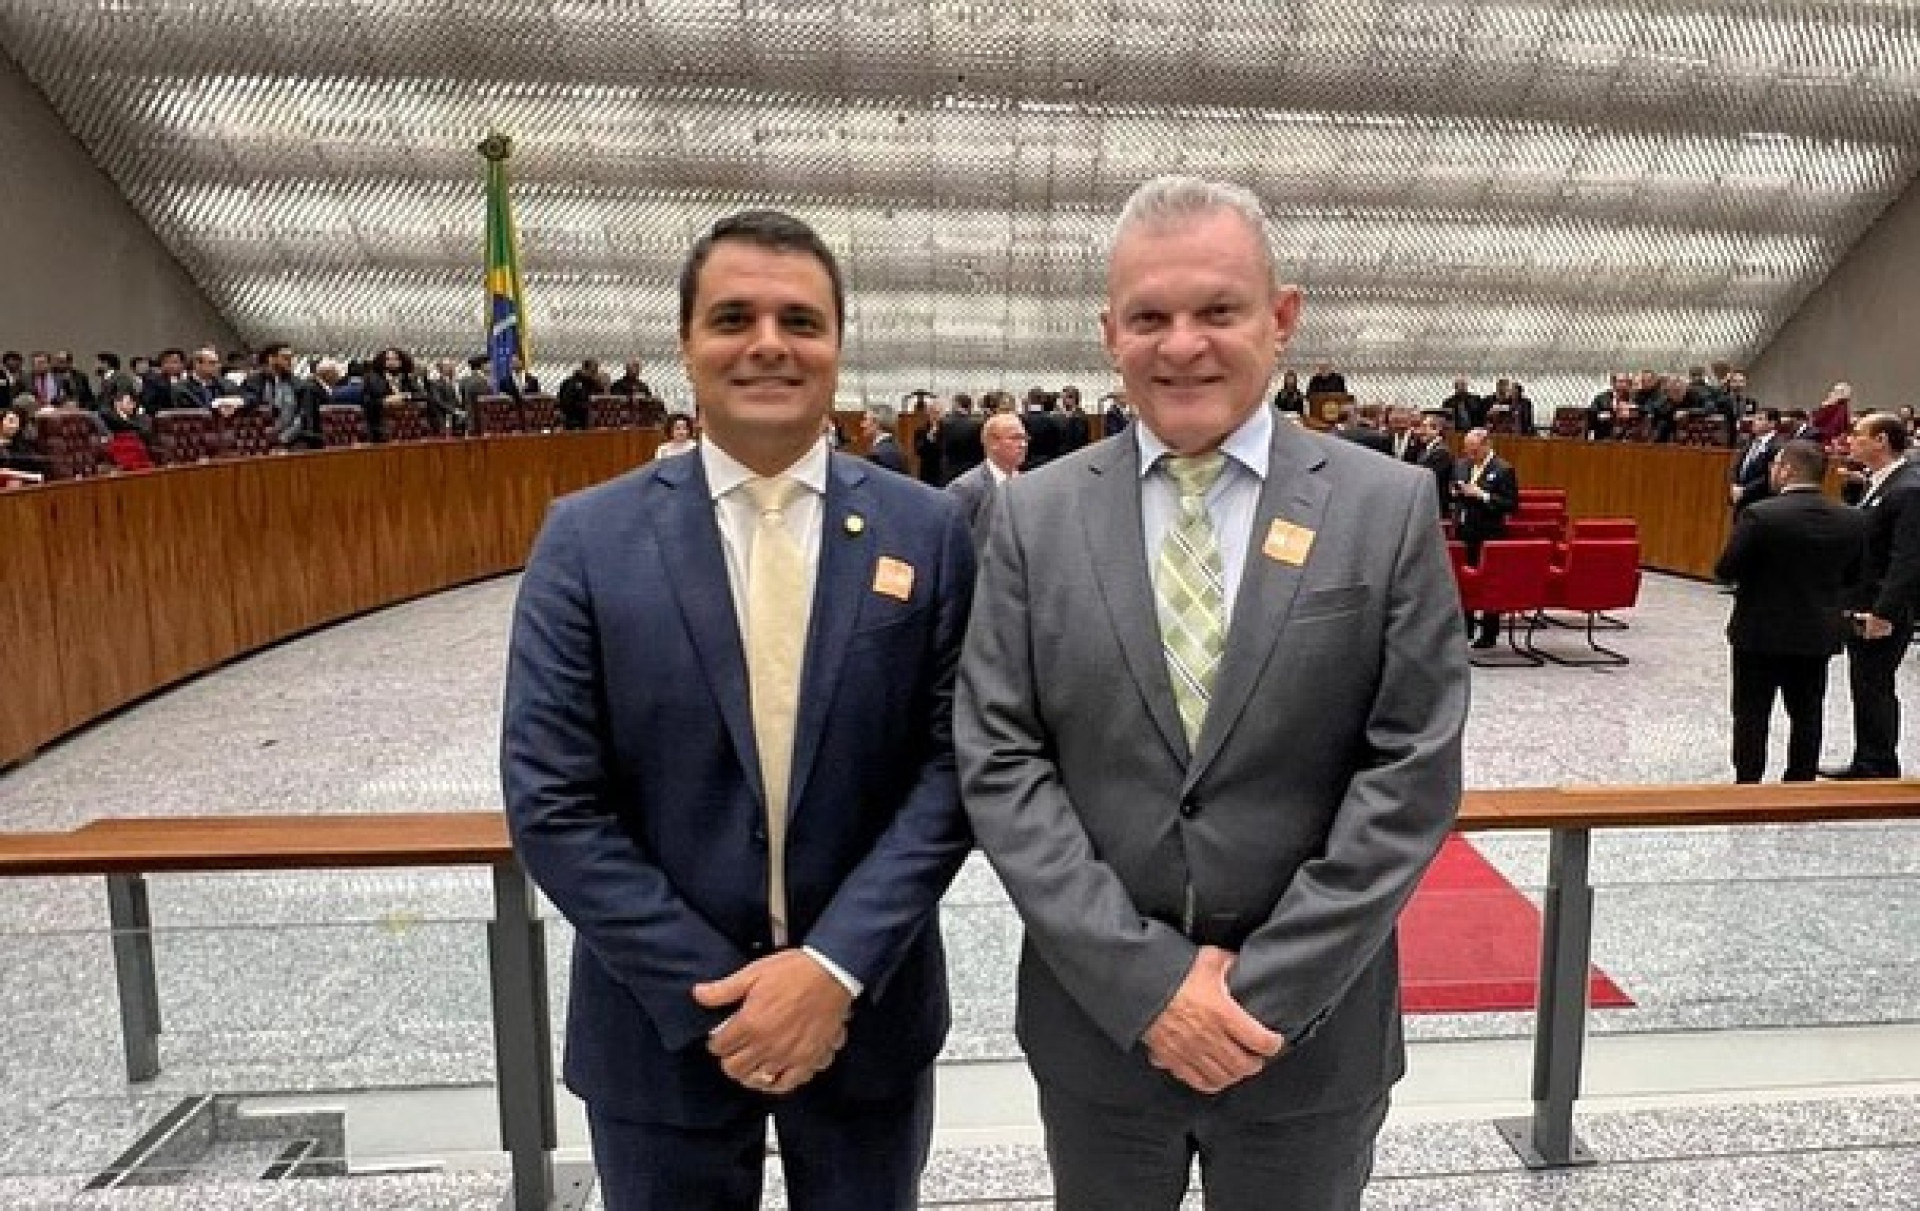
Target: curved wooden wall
{"points": [[1677, 493], [113, 588]]}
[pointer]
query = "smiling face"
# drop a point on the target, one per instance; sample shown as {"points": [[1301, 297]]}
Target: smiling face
{"points": [[1195, 325], [762, 352]]}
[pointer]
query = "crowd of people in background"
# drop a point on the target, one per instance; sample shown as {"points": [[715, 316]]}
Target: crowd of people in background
{"points": [[125, 395]]}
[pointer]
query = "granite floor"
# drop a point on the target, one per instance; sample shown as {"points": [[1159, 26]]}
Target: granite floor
{"points": [[378, 979]]}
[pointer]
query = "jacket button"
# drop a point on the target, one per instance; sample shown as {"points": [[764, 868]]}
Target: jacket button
{"points": [[760, 837], [1189, 808]]}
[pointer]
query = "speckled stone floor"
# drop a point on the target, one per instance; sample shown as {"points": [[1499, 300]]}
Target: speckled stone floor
{"points": [[378, 979]]}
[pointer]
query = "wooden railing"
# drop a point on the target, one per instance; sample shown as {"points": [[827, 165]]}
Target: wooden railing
{"points": [[125, 850]]}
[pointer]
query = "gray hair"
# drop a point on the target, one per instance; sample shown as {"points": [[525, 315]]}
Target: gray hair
{"points": [[882, 414], [1173, 201]]}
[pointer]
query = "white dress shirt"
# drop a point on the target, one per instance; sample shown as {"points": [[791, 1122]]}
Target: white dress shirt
{"points": [[739, 519], [1231, 502]]}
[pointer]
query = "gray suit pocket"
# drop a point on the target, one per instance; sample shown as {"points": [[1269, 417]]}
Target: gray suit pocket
{"points": [[1339, 601]]}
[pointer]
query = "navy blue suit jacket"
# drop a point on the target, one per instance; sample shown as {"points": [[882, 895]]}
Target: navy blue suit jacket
{"points": [[633, 788]]}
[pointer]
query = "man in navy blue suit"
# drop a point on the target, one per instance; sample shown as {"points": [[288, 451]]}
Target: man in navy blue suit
{"points": [[755, 894]]}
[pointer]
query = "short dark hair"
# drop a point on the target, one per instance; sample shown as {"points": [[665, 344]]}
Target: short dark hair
{"points": [[1889, 426], [168, 352], [110, 360], [771, 229], [478, 361], [1805, 459], [1772, 414]]}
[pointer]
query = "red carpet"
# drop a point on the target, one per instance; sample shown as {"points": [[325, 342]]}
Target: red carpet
{"points": [[1470, 942]]}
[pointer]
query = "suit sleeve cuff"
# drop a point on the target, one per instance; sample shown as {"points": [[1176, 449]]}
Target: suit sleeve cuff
{"points": [[853, 986]]}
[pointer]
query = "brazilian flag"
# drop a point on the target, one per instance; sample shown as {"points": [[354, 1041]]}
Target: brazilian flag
{"points": [[506, 299]]}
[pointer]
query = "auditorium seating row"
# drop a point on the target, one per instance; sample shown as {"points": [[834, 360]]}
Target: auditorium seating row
{"points": [[72, 448], [1689, 428]]}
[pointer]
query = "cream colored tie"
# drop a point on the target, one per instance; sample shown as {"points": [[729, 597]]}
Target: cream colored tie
{"points": [[777, 612]]}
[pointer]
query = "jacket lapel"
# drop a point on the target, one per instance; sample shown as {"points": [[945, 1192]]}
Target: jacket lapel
{"points": [[1293, 492], [1115, 541], [695, 566], [842, 583]]}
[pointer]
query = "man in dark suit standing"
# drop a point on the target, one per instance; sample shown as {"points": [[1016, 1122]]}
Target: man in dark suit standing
{"points": [[928, 462], [1075, 431], [876, 427], [1466, 409], [1046, 429], [727, 758], [1749, 476], [1485, 491], [960, 448], [1430, 451], [1790, 559], [1886, 595]]}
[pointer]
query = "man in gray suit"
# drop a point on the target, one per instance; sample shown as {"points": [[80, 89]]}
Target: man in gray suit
{"points": [[1209, 728], [1005, 441]]}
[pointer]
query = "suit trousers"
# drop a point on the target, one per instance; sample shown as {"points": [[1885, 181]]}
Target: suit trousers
{"points": [[1137, 1158], [1801, 683], [1871, 665], [836, 1156]]}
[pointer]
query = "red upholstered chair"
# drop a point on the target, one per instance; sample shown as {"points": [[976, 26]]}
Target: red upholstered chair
{"points": [[69, 442], [405, 420], [609, 412], [1569, 422], [1536, 525], [1605, 527], [1599, 574], [183, 436], [342, 425], [542, 413], [127, 451], [1557, 495], [1511, 579], [497, 414], [243, 435]]}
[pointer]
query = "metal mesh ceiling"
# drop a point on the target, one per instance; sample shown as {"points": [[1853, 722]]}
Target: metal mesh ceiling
{"points": [[1544, 189]]}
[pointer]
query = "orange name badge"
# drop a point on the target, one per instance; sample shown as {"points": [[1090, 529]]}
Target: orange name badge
{"points": [[893, 577], [1287, 542]]}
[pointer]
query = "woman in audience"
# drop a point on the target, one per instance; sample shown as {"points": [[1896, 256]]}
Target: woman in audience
{"points": [[680, 438], [389, 378]]}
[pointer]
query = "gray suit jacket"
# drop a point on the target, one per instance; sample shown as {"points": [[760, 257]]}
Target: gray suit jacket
{"points": [[1325, 778], [975, 490]]}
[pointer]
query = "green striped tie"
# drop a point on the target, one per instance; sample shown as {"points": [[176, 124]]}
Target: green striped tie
{"points": [[1191, 587]]}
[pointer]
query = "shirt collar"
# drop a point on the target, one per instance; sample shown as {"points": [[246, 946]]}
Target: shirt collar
{"points": [[725, 472], [1879, 478], [1249, 445]]}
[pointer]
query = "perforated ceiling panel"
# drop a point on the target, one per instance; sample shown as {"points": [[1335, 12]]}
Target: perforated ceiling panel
{"points": [[1548, 190]]}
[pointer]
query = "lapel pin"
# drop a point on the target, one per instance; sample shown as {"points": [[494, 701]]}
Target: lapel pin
{"points": [[856, 524]]}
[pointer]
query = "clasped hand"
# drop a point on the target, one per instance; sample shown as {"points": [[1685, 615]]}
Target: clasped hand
{"points": [[1203, 1038], [789, 1021]]}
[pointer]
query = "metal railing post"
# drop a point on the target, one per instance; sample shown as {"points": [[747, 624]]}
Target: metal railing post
{"points": [[522, 1037], [1545, 1139], [133, 974]]}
